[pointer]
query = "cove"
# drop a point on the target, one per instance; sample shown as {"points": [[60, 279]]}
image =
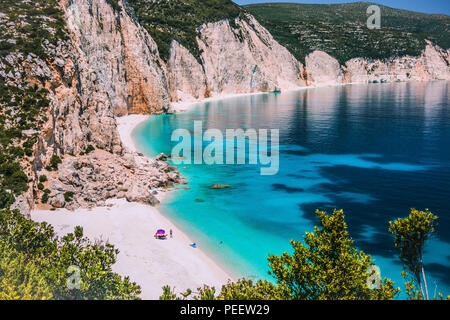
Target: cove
{"points": [[374, 150]]}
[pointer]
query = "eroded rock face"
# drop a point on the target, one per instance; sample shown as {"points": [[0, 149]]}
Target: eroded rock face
{"points": [[187, 78], [246, 59], [240, 59], [323, 69], [100, 175], [117, 58], [432, 64], [110, 67]]}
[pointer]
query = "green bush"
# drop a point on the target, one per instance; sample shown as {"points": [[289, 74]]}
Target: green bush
{"points": [[68, 196], [89, 149], [54, 162], [6, 199], [43, 178], [14, 178], [40, 186], [35, 264], [44, 198], [22, 279]]}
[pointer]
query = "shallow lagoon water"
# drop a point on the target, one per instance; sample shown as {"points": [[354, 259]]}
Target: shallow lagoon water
{"points": [[373, 150]]}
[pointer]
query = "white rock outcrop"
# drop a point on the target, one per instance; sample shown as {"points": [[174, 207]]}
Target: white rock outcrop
{"points": [[432, 64], [94, 178], [110, 66], [240, 59], [323, 69], [117, 58], [186, 75]]}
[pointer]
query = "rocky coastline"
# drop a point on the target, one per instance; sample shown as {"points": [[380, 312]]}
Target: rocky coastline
{"points": [[109, 66]]}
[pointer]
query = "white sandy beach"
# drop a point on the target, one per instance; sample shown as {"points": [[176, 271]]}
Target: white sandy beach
{"points": [[126, 125], [149, 262]]}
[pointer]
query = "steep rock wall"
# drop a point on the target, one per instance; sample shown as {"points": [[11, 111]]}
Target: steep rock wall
{"points": [[242, 58], [187, 78], [432, 64], [117, 57], [323, 69], [109, 67]]}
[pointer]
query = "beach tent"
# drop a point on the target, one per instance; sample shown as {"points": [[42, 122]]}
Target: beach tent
{"points": [[161, 234]]}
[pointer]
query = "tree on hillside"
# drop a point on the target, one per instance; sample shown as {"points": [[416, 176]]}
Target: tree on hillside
{"points": [[410, 236]]}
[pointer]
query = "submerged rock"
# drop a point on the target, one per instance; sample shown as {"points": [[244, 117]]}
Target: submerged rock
{"points": [[220, 186]]}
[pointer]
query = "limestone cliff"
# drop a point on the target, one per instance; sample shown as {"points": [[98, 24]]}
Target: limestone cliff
{"points": [[432, 64], [242, 58]]}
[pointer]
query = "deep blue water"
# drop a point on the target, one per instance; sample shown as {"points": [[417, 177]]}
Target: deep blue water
{"points": [[373, 150]]}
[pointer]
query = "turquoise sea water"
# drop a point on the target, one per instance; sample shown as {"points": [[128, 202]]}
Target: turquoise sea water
{"points": [[373, 150]]}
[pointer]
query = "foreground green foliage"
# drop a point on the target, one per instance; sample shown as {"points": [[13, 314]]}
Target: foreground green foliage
{"points": [[179, 20], [35, 264], [20, 279], [410, 236], [325, 267], [243, 289], [340, 30]]}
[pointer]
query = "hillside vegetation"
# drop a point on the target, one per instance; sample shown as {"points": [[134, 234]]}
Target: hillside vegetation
{"points": [[29, 34], [341, 31], [179, 19]]}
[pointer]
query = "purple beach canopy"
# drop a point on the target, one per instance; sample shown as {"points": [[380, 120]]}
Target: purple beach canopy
{"points": [[161, 231]]}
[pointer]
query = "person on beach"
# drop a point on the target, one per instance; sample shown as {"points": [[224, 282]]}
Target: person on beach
{"points": [[170, 233]]}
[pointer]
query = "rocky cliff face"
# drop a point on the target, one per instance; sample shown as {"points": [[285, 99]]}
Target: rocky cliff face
{"points": [[432, 64], [322, 69], [112, 67], [242, 58], [117, 58]]}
